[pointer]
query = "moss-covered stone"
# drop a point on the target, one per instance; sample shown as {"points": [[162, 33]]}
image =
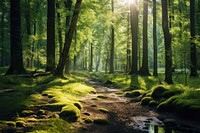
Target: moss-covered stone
{"points": [[70, 113], [20, 124], [78, 105], [146, 100], [26, 113], [134, 93], [104, 110], [158, 92], [153, 103], [101, 121], [88, 120], [11, 123], [172, 92]]}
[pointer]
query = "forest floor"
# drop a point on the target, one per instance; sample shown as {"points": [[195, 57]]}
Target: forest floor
{"points": [[113, 113]]}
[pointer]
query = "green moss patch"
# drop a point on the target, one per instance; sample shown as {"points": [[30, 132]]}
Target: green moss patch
{"points": [[158, 92], [70, 113], [145, 100], [104, 110], [134, 93]]}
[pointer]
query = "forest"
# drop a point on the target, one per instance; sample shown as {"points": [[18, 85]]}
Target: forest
{"points": [[99, 66]]}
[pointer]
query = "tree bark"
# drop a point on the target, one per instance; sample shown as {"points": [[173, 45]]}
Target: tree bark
{"points": [[60, 39], [193, 57], [51, 36], [68, 40], [128, 50], [144, 70], [155, 66], [134, 31], [112, 50], [167, 39], [2, 35], [91, 57], [16, 62]]}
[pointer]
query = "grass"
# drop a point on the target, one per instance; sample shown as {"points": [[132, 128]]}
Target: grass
{"points": [[21, 94]]}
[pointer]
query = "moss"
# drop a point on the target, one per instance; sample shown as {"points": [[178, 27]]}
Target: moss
{"points": [[20, 124], [11, 123], [102, 96], [70, 113], [104, 110], [101, 121], [26, 113], [78, 105], [153, 103], [134, 93], [158, 92], [146, 100], [87, 120]]}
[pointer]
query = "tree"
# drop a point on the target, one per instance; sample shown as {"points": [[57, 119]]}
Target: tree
{"points": [[167, 39], [144, 70], [155, 66], [112, 50], [16, 61], [51, 36], [134, 33], [193, 67], [62, 60]]}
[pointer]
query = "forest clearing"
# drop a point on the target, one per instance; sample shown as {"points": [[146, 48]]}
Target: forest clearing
{"points": [[99, 66]]}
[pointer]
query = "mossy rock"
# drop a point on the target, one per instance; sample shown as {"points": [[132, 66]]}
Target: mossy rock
{"points": [[104, 110], [11, 123], [41, 112], [20, 124], [70, 113], [88, 120], [102, 96], [101, 121], [53, 107], [26, 113], [134, 93], [158, 92], [78, 105], [146, 100], [172, 92], [153, 103]]}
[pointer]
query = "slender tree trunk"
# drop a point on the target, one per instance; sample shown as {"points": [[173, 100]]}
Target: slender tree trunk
{"points": [[16, 64], [68, 40], [51, 36], [144, 70], [193, 57], [167, 39], [91, 57], [98, 58], [128, 50], [112, 50], [60, 39], [134, 31], [155, 66], [2, 36]]}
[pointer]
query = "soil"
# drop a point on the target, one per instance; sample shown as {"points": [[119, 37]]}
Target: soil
{"points": [[126, 115]]}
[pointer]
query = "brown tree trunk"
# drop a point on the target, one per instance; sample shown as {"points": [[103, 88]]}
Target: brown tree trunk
{"points": [[134, 31], [155, 66], [51, 36], [91, 57], [2, 35], [112, 50], [60, 39], [68, 40], [193, 57], [167, 39], [128, 50], [16, 62], [144, 70]]}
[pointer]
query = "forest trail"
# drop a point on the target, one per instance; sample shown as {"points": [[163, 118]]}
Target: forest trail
{"points": [[125, 115]]}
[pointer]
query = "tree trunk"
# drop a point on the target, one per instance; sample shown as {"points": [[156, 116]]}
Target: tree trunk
{"points": [[193, 57], [2, 36], [91, 57], [128, 50], [144, 70], [167, 39], [134, 31], [68, 40], [112, 50], [60, 39], [51, 36], [16, 62], [155, 66]]}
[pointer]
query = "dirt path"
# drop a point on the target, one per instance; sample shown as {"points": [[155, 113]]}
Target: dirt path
{"points": [[124, 115]]}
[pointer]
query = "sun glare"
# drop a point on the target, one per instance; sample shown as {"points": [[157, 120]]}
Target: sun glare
{"points": [[125, 2]]}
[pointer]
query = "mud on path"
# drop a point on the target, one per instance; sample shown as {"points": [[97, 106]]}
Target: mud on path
{"points": [[125, 115]]}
